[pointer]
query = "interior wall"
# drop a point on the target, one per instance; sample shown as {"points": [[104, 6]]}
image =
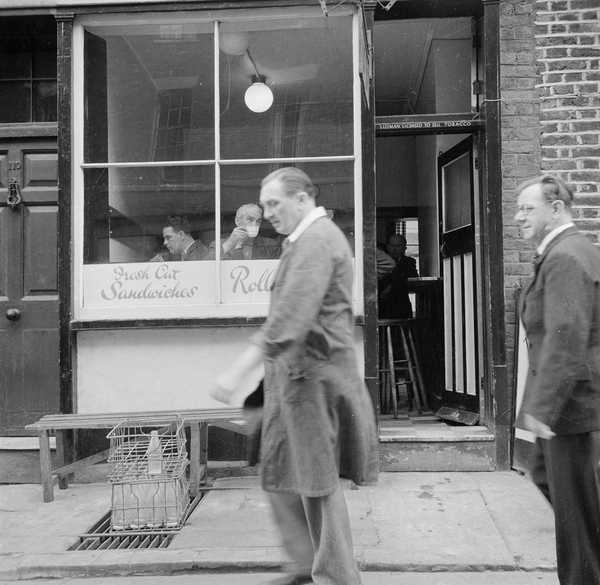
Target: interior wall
{"points": [[396, 173], [426, 154], [452, 71]]}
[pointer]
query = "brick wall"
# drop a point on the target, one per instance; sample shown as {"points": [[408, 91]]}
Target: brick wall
{"points": [[550, 84], [521, 149], [568, 41]]}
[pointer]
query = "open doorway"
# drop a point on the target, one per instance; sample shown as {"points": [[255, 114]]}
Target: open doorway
{"points": [[426, 203], [428, 73]]}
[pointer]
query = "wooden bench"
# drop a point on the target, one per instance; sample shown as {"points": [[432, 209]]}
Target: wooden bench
{"points": [[58, 424]]}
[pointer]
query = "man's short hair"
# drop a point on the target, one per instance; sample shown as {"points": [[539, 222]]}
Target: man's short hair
{"points": [[399, 236], [179, 223], [553, 189], [248, 210], [293, 180]]}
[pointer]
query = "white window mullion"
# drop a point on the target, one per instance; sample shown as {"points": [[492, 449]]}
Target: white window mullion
{"points": [[358, 217], [217, 133]]}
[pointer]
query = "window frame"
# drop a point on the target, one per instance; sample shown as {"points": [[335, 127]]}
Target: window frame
{"points": [[220, 310]]}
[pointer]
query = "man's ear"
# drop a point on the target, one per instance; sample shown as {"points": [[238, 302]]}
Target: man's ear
{"points": [[558, 205]]}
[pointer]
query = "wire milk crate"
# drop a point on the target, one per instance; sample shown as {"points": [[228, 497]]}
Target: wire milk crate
{"points": [[148, 476]]}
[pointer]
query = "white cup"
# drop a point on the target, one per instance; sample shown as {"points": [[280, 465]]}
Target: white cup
{"points": [[252, 230]]}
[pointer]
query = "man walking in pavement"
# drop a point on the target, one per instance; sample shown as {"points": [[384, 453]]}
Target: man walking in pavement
{"points": [[318, 421], [560, 310]]}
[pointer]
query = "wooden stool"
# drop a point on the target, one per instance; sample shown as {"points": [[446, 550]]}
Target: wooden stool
{"points": [[394, 370]]}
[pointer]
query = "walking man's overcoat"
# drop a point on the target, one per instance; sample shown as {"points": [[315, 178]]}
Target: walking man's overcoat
{"points": [[318, 417]]}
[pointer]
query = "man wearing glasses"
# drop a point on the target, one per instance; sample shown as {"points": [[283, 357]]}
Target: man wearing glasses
{"points": [[560, 310]]}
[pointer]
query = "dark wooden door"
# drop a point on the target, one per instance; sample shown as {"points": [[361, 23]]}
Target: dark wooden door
{"points": [[456, 183], [29, 371]]}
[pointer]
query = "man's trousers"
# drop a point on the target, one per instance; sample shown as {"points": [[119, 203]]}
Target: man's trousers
{"points": [[316, 534], [566, 470]]}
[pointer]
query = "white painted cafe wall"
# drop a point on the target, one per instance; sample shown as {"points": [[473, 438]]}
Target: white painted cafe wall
{"points": [[130, 370]]}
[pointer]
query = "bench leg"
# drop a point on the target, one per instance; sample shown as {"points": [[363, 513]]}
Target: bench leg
{"points": [[198, 456], [46, 467], [194, 459], [63, 481], [203, 452]]}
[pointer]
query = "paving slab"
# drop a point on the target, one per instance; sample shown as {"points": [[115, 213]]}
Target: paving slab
{"points": [[408, 522]]}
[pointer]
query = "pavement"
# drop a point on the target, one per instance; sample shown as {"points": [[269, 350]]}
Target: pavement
{"points": [[485, 525]]}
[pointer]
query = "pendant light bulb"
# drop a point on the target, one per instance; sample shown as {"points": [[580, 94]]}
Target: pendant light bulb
{"points": [[258, 97]]}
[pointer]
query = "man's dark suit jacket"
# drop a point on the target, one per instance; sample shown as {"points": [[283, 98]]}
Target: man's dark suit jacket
{"points": [[560, 310]]}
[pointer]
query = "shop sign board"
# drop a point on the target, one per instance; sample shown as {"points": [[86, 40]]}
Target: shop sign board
{"points": [[426, 124]]}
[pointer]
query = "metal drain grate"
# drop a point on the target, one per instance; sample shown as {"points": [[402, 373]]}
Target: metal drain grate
{"points": [[100, 536]]}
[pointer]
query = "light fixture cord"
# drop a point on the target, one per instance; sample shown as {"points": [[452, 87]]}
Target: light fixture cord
{"points": [[253, 62]]}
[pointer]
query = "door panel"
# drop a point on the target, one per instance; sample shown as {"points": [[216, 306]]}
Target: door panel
{"points": [[39, 263], [28, 276], [457, 237], [40, 176]]}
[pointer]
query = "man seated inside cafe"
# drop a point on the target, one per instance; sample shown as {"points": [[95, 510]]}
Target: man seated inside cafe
{"points": [[244, 243], [394, 302], [179, 243]]}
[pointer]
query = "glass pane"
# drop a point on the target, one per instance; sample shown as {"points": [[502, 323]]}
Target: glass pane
{"points": [[306, 64], [240, 185], [44, 101], [15, 101], [423, 66], [248, 269], [457, 193], [44, 57], [15, 52], [149, 92], [131, 214]]}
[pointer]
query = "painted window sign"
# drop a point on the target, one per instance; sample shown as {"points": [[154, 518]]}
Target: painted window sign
{"points": [[174, 141], [148, 284]]}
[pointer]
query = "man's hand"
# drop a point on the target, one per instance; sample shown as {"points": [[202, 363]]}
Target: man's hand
{"points": [[237, 237], [538, 428], [224, 388]]}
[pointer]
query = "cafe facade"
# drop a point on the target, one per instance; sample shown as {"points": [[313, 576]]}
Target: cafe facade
{"points": [[412, 118]]}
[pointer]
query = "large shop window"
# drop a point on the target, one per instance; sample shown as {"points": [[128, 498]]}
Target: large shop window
{"points": [[181, 120]]}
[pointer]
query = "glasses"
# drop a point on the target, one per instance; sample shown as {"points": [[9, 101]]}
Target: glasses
{"points": [[526, 209]]}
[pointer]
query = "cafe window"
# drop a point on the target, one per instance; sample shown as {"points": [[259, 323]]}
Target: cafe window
{"points": [[182, 116]]}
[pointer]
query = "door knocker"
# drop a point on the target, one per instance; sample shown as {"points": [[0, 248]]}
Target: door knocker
{"points": [[14, 199]]}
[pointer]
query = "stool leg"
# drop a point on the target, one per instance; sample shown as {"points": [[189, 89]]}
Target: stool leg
{"points": [[421, 389], [411, 372], [392, 372]]}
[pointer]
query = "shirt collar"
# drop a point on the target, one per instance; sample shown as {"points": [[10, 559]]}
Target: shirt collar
{"points": [[187, 248], [551, 235], [312, 216]]}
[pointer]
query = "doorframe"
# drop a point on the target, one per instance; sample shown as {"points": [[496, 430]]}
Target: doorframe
{"points": [[496, 396]]}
